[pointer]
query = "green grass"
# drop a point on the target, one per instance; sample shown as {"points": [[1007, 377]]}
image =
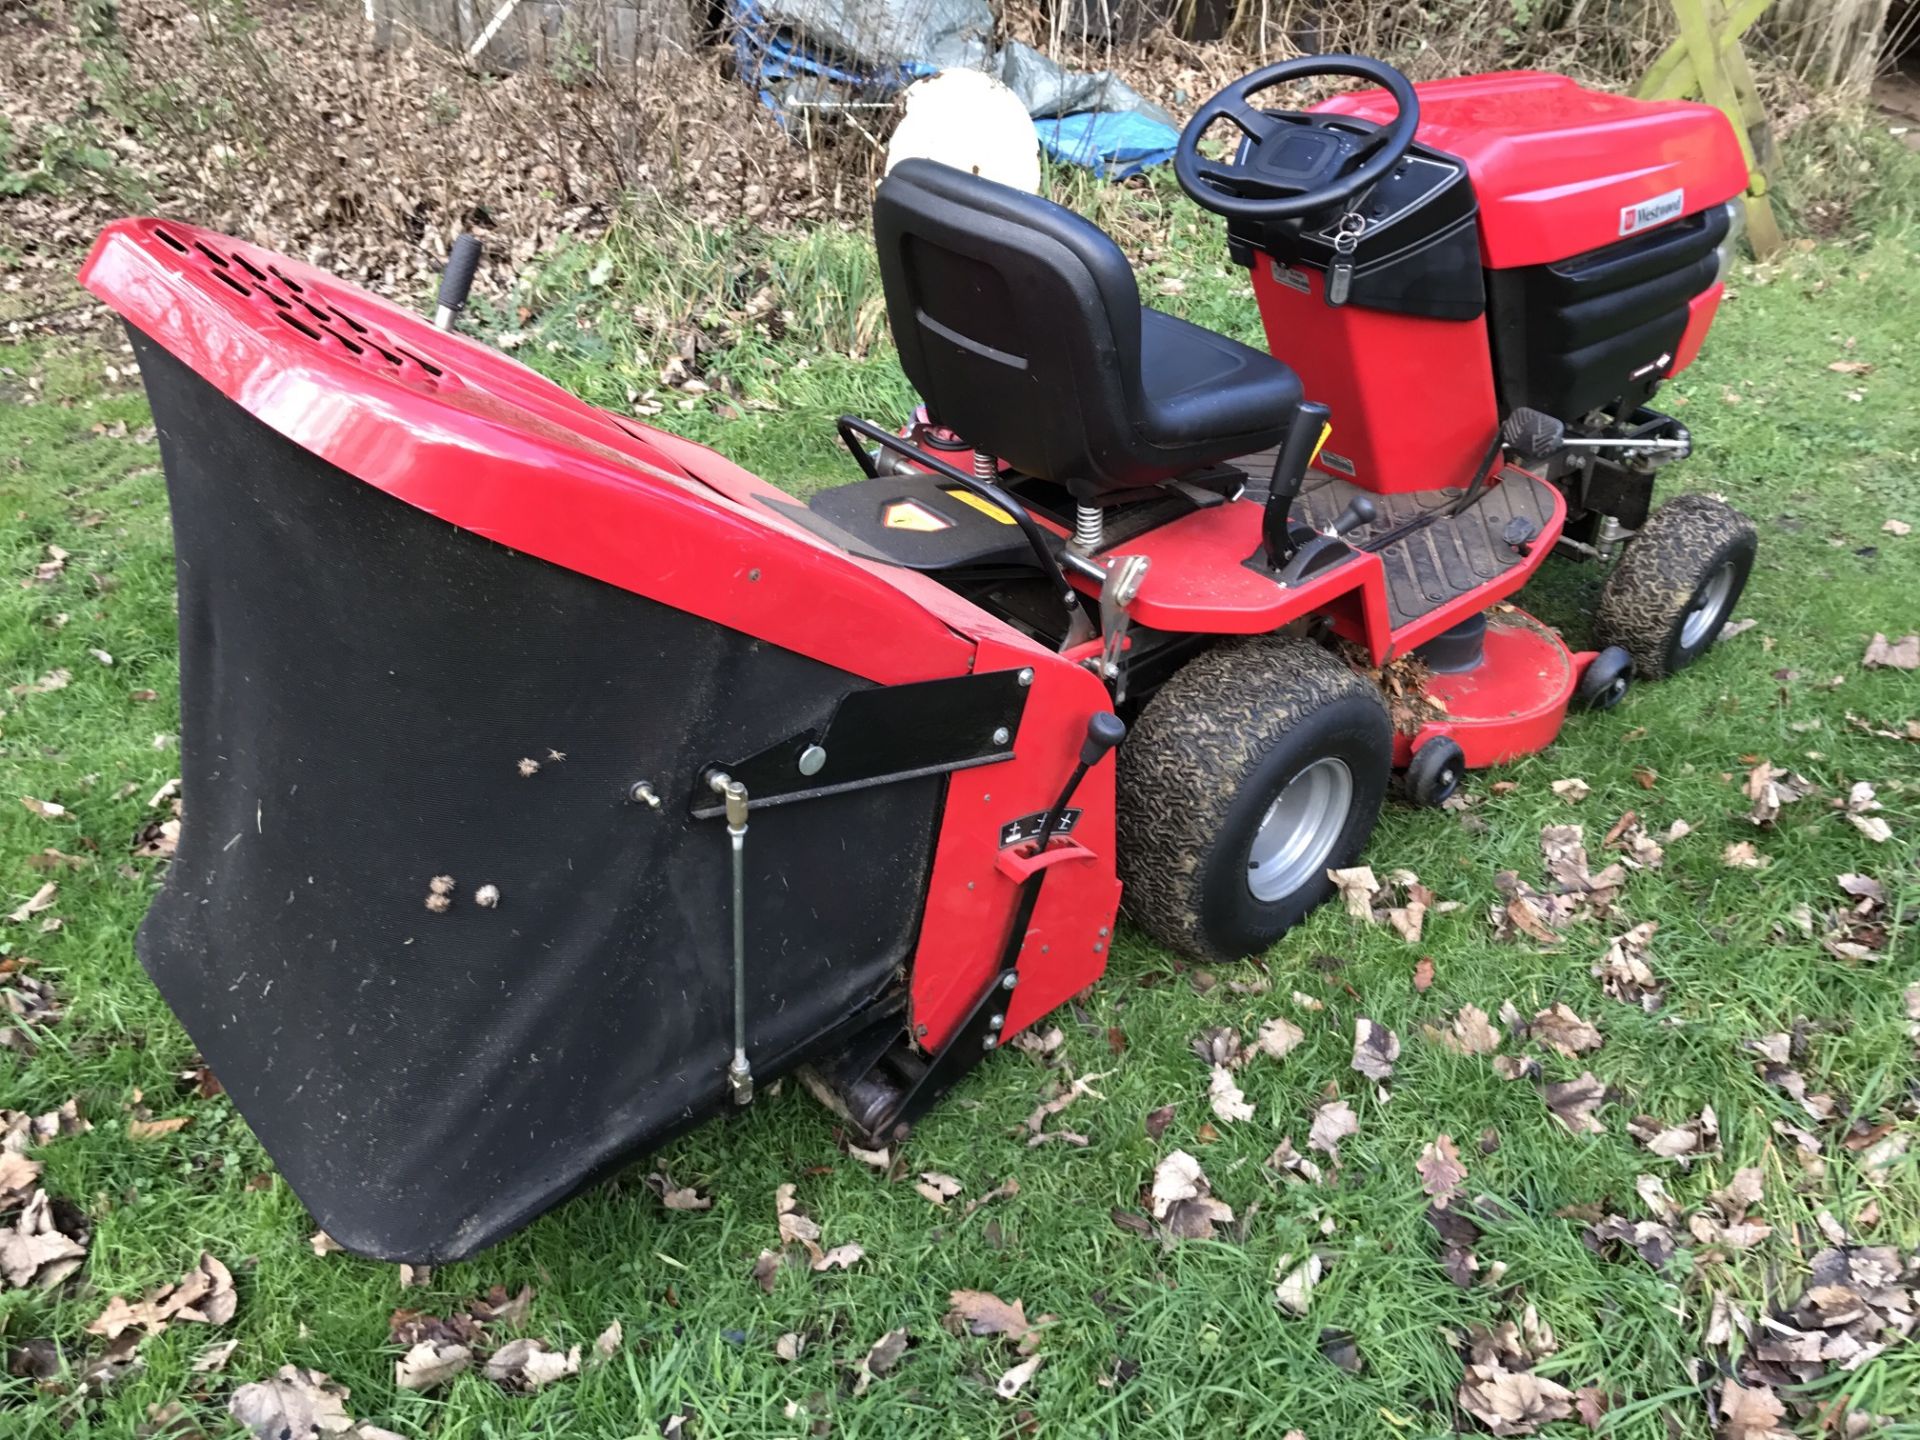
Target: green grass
{"points": [[1191, 1328]]}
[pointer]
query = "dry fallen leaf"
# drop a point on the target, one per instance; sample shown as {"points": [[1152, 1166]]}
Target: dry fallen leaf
{"points": [[1293, 1290], [1441, 1173], [152, 1129], [48, 683], [1769, 787], [1624, 972], [937, 1187], [1574, 1102], [1357, 888], [431, 1364], [1468, 1033], [1278, 1038], [840, 1257], [1332, 1123], [1228, 1102], [1375, 1048], [1684, 1143], [530, 1365], [1573, 791], [980, 1312], [203, 1296], [1561, 1030], [19, 1177], [41, 900], [1751, 1413], [1183, 1200], [213, 1358], [299, 1402], [42, 1248], [880, 1359], [1511, 1402], [677, 1197], [1741, 855], [1902, 654]]}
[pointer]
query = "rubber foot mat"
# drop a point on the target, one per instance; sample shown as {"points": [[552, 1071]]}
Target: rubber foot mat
{"points": [[1446, 558]]}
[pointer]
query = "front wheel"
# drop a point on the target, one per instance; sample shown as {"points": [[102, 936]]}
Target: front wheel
{"points": [[1677, 583], [1258, 767]]}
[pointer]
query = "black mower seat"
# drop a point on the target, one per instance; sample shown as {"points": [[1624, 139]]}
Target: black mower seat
{"points": [[1021, 326]]}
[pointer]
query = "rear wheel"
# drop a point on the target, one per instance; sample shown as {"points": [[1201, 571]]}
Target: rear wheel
{"points": [[1677, 583], [1257, 768]]}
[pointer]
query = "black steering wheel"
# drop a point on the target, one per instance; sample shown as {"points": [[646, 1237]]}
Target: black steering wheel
{"points": [[1294, 164]]}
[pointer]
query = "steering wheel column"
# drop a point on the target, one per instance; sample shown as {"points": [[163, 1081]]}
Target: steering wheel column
{"points": [[1293, 165]]}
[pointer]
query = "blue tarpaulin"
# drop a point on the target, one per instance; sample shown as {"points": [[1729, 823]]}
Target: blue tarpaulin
{"points": [[836, 54]]}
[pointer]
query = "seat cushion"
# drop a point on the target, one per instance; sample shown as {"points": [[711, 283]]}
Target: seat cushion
{"points": [[1020, 324], [1199, 387]]}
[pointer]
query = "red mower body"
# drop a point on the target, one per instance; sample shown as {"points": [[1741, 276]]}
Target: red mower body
{"points": [[537, 764]]}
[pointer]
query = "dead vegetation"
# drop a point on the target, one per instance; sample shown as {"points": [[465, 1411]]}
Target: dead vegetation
{"points": [[292, 126]]}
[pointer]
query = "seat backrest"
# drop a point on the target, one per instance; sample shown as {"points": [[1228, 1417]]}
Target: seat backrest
{"points": [[1016, 320]]}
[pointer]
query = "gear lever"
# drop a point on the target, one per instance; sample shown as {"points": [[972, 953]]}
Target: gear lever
{"points": [[1304, 438], [1360, 511]]}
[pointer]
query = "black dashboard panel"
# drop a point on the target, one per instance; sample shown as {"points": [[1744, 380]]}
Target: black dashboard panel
{"points": [[1419, 253]]}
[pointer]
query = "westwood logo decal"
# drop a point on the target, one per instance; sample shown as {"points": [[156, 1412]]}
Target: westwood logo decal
{"points": [[1657, 211]]}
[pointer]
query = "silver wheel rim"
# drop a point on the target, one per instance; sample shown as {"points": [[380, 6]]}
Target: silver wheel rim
{"points": [[1300, 829], [1708, 614]]}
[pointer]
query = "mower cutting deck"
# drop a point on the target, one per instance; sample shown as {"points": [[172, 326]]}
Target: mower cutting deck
{"points": [[553, 783]]}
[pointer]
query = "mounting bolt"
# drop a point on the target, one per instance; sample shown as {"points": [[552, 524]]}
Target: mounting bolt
{"points": [[813, 760], [1002, 735], [1008, 980], [1098, 947], [1103, 932], [996, 1021], [989, 1041], [1026, 676], [642, 794]]}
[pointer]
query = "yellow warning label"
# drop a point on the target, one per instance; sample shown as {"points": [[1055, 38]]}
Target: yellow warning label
{"points": [[985, 507], [911, 515], [1326, 433]]}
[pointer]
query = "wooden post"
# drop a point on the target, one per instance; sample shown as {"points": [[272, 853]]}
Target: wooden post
{"points": [[1707, 61]]}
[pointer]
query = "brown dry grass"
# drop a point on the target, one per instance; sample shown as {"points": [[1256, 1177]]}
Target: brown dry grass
{"points": [[289, 126]]}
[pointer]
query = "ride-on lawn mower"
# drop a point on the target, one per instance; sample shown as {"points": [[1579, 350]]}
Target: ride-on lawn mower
{"points": [[552, 782]]}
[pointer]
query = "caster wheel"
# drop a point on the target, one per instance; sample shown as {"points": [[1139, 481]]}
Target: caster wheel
{"points": [[1435, 772], [1605, 683], [1257, 768], [1677, 583]]}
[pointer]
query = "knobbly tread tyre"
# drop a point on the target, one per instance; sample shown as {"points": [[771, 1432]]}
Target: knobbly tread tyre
{"points": [[1183, 787], [1651, 590]]}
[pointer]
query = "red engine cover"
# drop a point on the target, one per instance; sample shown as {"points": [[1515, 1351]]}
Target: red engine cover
{"points": [[1560, 169]]}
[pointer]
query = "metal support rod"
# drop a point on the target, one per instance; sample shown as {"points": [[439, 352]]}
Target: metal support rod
{"points": [[1625, 443], [740, 1072]]}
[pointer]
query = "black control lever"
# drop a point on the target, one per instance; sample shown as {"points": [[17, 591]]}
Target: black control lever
{"points": [[456, 280], [1105, 731], [1304, 438], [1360, 511]]}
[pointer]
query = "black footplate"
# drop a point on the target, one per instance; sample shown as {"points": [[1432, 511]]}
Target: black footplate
{"points": [[1439, 557], [923, 522]]}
